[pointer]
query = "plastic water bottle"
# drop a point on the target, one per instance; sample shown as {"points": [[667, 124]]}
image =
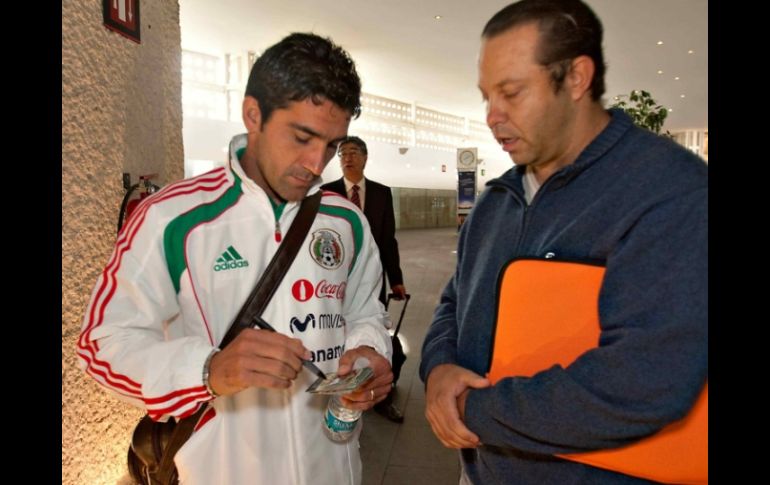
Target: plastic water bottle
{"points": [[340, 422]]}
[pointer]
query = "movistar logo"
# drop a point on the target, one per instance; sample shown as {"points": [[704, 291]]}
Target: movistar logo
{"points": [[230, 259]]}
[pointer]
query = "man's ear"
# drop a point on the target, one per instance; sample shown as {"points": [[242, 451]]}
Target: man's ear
{"points": [[580, 77], [252, 116]]}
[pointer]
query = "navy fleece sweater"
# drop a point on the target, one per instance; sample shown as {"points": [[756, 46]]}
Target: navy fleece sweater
{"points": [[637, 203]]}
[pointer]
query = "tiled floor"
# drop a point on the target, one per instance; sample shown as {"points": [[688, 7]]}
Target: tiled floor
{"points": [[409, 453]]}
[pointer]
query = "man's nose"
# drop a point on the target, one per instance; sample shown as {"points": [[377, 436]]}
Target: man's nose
{"points": [[315, 161], [495, 114]]}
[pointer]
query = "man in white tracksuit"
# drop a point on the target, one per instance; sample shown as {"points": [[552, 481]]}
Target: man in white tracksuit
{"points": [[190, 255]]}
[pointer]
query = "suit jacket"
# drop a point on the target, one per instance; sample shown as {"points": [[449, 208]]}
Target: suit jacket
{"points": [[378, 209]]}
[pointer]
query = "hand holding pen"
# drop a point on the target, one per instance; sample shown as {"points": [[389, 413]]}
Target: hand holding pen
{"points": [[258, 358], [259, 322]]}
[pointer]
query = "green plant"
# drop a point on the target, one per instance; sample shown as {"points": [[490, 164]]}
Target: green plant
{"points": [[644, 110]]}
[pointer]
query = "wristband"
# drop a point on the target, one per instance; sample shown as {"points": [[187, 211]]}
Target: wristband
{"points": [[206, 373]]}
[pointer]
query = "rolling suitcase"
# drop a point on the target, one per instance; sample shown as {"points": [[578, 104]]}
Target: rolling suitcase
{"points": [[398, 351]]}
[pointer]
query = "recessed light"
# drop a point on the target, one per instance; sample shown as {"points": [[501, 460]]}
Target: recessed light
{"points": [[660, 72], [676, 78], [660, 42], [691, 51], [437, 17], [681, 95], [670, 110]]}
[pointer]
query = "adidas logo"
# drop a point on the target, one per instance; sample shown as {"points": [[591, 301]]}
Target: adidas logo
{"points": [[230, 259]]}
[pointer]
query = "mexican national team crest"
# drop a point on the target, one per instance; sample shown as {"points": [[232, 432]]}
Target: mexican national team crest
{"points": [[326, 249]]}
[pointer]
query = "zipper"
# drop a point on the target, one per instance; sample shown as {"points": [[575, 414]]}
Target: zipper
{"points": [[531, 205]]}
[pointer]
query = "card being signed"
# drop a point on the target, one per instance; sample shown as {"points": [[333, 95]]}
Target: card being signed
{"points": [[341, 385]]}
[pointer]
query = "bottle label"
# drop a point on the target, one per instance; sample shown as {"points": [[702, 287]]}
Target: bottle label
{"points": [[337, 425]]}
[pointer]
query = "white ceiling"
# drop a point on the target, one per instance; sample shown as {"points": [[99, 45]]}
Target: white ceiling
{"points": [[402, 52]]}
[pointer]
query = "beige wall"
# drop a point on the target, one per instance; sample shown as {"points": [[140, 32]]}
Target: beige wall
{"points": [[121, 112], [424, 208]]}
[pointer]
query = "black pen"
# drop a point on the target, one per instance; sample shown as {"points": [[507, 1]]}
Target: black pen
{"points": [[261, 323]]}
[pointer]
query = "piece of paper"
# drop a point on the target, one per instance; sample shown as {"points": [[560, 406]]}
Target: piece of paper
{"points": [[341, 385]]}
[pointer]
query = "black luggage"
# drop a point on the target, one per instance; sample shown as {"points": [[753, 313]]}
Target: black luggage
{"points": [[398, 351]]}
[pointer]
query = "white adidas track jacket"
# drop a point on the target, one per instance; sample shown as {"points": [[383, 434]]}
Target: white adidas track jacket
{"points": [[182, 267]]}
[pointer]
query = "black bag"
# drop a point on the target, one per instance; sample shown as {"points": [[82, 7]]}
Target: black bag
{"points": [[399, 357], [154, 444]]}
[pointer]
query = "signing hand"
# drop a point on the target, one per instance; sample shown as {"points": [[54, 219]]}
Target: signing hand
{"points": [[376, 388], [446, 390], [257, 358]]}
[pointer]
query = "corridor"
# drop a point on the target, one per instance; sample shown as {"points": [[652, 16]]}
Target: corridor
{"points": [[409, 453]]}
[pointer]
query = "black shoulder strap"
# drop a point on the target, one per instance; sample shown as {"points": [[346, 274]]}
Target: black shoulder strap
{"points": [[254, 306]]}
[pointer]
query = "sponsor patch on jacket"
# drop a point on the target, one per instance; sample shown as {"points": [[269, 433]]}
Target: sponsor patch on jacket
{"points": [[230, 259], [330, 353], [326, 249], [302, 290], [325, 321]]}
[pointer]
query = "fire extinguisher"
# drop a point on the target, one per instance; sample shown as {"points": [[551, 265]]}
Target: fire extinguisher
{"points": [[145, 187]]}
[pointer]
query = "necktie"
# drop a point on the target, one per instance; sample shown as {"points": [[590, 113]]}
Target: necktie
{"points": [[354, 198]]}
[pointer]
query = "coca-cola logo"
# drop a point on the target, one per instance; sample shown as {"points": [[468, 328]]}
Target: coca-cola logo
{"points": [[302, 290], [324, 289]]}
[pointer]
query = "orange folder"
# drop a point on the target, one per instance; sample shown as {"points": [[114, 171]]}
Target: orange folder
{"points": [[548, 313]]}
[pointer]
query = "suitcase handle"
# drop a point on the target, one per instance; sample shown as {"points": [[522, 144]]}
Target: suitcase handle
{"points": [[392, 296]]}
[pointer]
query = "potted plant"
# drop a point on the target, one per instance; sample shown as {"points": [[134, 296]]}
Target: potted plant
{"points": [[643, 109]]}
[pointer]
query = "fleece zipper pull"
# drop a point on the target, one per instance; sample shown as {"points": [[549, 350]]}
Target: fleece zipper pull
{"points": [[277, 211]]}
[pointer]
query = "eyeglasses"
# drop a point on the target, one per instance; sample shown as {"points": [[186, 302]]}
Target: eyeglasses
{"points": [[350, 152]]}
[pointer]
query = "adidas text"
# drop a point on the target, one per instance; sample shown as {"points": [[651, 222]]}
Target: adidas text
{"points": [[231, 265]]}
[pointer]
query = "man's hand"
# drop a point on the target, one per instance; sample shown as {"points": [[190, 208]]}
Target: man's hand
{"points": [[256, 358], [399, 291], [446, 390], [376, 388]]}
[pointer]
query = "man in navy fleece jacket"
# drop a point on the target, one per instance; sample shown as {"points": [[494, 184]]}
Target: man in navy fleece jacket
{"points": [[588, 185]]}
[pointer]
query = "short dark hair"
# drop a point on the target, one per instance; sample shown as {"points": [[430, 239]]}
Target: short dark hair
{"points": [[303, 66], [568, 29], [356, 141]]}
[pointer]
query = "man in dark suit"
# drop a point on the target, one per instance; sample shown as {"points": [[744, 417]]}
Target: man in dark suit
{"points": [[376, 202]]}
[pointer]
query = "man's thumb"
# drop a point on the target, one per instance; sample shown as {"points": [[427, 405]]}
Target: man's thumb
{"points": [[479, 383]]}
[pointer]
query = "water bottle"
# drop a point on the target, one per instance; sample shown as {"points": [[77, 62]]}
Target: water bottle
{"points": [[339, 421]]}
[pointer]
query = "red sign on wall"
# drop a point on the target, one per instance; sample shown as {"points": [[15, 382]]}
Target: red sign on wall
{"points": [[122, 16]]}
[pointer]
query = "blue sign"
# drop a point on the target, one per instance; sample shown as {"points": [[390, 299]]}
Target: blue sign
{"points": [[466, 191]]}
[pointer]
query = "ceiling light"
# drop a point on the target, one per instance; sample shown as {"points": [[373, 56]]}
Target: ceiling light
{"points": [[660, 42], [681, 95], [660, 72], [437, 17], [676, 78], [670, 110], [691, 51]]}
